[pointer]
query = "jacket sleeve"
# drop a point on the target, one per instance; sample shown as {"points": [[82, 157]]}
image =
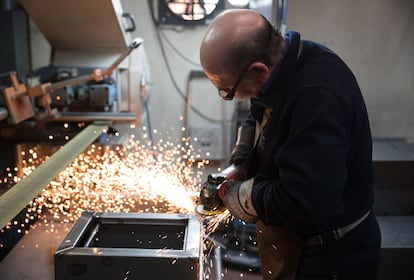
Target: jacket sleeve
{"points": [[311, 167]]}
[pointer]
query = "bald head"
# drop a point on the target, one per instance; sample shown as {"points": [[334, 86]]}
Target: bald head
{"points": [[239, 51], [227, 36]]}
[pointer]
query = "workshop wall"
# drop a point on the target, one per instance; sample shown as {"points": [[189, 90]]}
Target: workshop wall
{"points": [[374, 37], [173, 52]]}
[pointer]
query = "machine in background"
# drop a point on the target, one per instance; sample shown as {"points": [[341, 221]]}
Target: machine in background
{"points": [[97, 76], [93, 73]]}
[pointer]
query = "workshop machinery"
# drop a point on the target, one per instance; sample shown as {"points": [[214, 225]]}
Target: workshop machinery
{"points": [[96, 71], [61, 94], [97, 76]]}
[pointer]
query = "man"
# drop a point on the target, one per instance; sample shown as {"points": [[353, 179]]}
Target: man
{"points": [[309, 170]]}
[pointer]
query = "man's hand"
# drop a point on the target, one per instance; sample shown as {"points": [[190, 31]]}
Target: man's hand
{"points": [[244, 145], [236, 196], [232, 172], [209, 198]]}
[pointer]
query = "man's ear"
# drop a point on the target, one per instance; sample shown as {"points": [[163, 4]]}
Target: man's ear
{"points": [[259, 67], [260, 70]]}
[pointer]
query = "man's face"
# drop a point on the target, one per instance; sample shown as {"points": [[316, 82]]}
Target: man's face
{"points": [[240, 86]]}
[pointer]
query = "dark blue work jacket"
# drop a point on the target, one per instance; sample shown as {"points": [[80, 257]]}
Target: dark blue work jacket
{"points": [[313, 162]]}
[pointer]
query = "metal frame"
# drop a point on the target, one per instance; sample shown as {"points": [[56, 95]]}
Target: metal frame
{"points": [[75, 258]]}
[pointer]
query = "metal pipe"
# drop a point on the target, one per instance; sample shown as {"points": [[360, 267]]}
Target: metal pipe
{"points": [[93, 116], [279, 15], [17, 198], [217, 256]]}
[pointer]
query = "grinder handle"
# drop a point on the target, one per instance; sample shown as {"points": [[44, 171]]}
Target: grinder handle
{"points": [[233, 172]]}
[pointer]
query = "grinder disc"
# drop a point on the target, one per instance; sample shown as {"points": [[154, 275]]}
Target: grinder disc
{"points": [[200, 210]]}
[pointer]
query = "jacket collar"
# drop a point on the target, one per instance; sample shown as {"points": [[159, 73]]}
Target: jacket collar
{"points": [[281, 73]]}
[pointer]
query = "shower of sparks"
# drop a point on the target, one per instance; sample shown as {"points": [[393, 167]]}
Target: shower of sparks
{"points": [[140, 177], [214, 222]]}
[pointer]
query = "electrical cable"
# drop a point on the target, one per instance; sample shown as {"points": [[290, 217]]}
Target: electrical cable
{"points": [[169, 70], [282, 14], [150, 134], [147, 112], [180, 54]]}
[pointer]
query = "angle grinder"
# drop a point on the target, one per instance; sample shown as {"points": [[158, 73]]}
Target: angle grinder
{"points": [[210, 202]]}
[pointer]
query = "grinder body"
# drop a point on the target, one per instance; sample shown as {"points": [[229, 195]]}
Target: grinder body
{"points": [[209, 201]]}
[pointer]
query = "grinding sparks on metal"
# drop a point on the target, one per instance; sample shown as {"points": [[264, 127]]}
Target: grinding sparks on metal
{"points": [[140, 177], [104, 180]]}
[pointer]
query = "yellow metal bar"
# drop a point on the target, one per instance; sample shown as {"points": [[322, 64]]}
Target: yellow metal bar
{"points": [[17, 198]]}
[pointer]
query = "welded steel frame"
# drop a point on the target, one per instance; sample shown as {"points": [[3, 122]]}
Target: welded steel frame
{"points": [[75, 259]]}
